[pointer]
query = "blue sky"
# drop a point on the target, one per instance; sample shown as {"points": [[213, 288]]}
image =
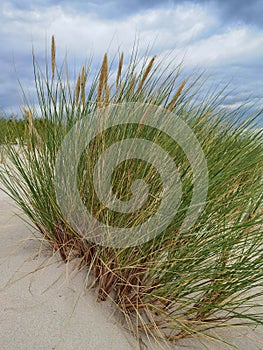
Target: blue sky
{"points": [[223, 37]]}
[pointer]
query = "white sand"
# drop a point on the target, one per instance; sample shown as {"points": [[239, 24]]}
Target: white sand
{"points": [[38, 294]]}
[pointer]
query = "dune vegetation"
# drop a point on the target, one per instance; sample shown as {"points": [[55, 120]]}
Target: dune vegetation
{"points": [[179, 283]]}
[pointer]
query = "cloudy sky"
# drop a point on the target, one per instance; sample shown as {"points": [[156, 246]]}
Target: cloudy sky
{"points": [[225, 37]]}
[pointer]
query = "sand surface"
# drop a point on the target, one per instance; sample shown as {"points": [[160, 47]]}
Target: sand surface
{"points": [[44, 304]]}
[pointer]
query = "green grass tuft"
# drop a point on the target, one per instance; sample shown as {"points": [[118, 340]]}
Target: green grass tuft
{"points": [[179, 283]]}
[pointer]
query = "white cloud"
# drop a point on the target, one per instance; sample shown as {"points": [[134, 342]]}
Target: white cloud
{"points": [[234, 46], [190, 30], [81, 32], [180, 28]]}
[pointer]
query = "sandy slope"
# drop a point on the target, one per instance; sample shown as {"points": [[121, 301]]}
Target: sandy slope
{"points": [[38, 294]]}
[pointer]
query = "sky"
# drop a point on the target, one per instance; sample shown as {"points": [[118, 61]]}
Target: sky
{"points": [[222, 37]]}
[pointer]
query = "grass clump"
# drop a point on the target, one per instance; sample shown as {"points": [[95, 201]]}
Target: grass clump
{"points": [[179, 283], [11, 129]]}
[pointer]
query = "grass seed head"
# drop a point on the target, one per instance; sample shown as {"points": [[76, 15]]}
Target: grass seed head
{"points": [[77, 90], [103, 79], [145, 75], [132, 84], [82, 84], [29, 118], [119, 70], [53, 56], [176, 95]]}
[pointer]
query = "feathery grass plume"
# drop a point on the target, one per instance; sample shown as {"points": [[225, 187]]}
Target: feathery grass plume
{"points": [[176, 95], [103, 79], [104, 71], [82, 84], [53, 56], [77, 90], [145, 75], [107, 95], [119, 70]]}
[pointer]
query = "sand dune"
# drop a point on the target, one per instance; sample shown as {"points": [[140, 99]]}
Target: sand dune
{"points": [[45, 307]]}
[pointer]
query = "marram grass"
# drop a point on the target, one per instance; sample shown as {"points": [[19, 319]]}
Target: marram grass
{"points": [[179, 283]]}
